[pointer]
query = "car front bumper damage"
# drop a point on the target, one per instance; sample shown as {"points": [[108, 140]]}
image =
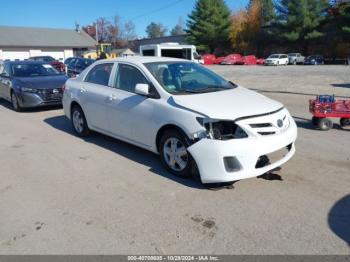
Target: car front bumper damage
{"points": [[221, 161]]}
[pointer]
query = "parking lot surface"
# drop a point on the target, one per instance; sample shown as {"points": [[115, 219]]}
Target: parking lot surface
{"points": [[60, 194]]}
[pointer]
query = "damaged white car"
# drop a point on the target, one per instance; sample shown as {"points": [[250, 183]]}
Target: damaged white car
{"points": [[198, 122]]}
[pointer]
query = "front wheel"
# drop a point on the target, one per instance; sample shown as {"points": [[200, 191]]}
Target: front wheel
{"points": [[315, 120], [174, 155], [15, 103], [345, 122], [79, 122], [325, 124]]}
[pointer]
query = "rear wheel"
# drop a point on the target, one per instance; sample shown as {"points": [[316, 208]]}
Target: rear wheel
{"points": [[174, 155], [325, 124], [345, 122], [79, 122], [15, 103], [315, 121]]}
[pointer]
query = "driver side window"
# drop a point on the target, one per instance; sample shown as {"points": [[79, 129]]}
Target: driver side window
{"points": [[128, 77]]}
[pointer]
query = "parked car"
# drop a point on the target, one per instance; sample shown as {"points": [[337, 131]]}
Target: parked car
{"points": [[68, 60], [260, 61], [250, 60], [277, 59], [233, 59], [30, 84], [59, 66], [198, 122], [208, 59], [296, 58], [219, 60], [314, 60], [77, 65]]}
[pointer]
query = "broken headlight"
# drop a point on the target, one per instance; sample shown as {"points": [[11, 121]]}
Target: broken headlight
{"points": [[220, 129]]}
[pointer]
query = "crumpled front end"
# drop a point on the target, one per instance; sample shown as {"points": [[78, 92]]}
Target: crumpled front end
{"points": [[269, 144]]}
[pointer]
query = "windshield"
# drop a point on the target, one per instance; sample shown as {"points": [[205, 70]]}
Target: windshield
{"points": [[187, 78], [274, 56], [32, 70]]}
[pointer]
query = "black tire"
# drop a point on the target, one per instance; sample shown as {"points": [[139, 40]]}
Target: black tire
{"points": [[82, 129], [325, 124], [15, 104], [315, 121], [190, 169], [345, 122]]}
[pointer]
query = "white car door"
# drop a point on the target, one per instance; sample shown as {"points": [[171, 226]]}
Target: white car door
{"points": [[94, 95], [129, 114]]}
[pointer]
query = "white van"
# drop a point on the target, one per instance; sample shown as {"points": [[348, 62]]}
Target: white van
{"points": [[174, 50]]}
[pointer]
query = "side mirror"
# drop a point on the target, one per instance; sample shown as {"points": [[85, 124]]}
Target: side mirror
{"points": [[142, 89]]}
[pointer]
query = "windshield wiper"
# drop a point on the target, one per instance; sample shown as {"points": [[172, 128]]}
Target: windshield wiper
{"points": [[206, 89]]}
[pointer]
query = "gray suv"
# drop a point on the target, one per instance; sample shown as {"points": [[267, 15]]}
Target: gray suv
{"points": [[296, 58]]}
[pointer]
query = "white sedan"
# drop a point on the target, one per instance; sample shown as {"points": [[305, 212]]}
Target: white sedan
{"points": [[277, 59], [199, 123]]}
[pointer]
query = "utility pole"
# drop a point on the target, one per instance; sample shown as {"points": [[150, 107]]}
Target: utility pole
{"points": [[96, 32]]}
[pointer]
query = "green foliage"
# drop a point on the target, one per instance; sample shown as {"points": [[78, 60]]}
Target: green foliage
{"points": [[300, 20], [156, 30], [268, 12], [209, 25], [179, 28]]}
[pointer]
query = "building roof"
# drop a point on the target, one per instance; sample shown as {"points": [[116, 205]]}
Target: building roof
{"points": [[44, 37]]}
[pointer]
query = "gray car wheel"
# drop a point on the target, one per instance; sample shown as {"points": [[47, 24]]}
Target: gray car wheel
{"points": [[15, 103]]}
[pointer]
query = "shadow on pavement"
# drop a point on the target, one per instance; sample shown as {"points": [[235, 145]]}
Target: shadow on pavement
{"points": [[339, 219], [307, 124], [290, 93], [8, 105], [341, 85], [131, 152]]}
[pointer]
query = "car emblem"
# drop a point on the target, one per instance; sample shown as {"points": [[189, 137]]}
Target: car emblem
{"points": [[279, 123], [55, 91]]}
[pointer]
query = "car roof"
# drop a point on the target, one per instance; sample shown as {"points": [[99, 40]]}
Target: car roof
{"points": [[144, 59], [26, 62]]}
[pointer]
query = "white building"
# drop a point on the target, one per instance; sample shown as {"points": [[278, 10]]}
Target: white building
{"points": [[24, 42]]}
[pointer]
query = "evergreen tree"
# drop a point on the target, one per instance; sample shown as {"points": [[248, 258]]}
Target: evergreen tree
{"points": [[300, 20], [209, 25]]}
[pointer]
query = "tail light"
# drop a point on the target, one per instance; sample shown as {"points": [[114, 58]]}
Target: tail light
{"points": [[63, 88]]}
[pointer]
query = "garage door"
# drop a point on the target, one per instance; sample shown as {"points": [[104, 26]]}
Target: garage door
{"points": [[59, 55], [13, 55]]}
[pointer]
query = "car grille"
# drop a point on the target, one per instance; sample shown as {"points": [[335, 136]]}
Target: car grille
{"points": [[268, 125], [51, 95]]}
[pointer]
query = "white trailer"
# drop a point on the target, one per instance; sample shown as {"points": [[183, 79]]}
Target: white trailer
{"points": [[174, 50]]}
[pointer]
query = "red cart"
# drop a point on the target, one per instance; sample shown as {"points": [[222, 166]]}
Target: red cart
{"points": [[325, 107]]}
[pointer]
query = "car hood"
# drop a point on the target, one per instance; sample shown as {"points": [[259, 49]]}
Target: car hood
{"points": [[227, 105], [41, 82]]}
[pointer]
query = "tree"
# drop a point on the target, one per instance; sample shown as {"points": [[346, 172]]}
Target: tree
{"points": [[239, 22], [250, 30], [209, 25], [179, 28], [300, 20], [156, 30]]}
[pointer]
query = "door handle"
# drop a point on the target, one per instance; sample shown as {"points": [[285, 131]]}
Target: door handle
{"points": [[112, 97], [83, 90]]}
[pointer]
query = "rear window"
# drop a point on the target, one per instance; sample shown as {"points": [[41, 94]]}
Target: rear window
{"points": [[100, 74], [33, 70]]}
